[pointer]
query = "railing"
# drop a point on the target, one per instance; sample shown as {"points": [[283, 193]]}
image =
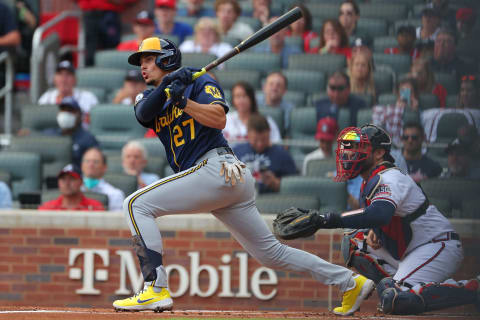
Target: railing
{"points": [[7, 92], [41, 53]]}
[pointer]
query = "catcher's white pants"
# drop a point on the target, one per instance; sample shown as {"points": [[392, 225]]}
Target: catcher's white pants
{"points": [[201, 189]]}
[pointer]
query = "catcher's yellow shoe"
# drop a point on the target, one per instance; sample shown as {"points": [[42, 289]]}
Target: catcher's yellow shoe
{"points": [[147, 299], [353, 298]]}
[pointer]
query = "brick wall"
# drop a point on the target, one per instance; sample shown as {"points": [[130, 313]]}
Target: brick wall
{"points": [[35, 248]]}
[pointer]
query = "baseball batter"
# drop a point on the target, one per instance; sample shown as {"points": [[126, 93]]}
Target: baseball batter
{"points": [[409, 249], [208, 178]]}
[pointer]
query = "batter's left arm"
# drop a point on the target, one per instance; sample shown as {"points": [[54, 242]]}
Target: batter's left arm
{"points": [[209, 115]]}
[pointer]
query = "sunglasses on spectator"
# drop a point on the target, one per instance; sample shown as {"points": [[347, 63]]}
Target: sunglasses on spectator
{"points": [[336, 88], [413, 137], [469, 77]]}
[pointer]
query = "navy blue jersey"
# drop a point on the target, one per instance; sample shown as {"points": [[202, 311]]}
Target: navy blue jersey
{"points": [[185, 139]]}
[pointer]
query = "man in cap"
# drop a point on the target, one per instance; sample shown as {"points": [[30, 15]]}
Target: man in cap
{"points": [[132, 86], [467, 45], [326, 132], [64, 82], [406, 36], [460, 160], [195, 8], [165, 12], [143, 26], [71, 197], [430, 25], [69, 124]]}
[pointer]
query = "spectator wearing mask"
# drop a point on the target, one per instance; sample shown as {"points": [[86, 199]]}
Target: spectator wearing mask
{"points": [[94, 166], [64, 82], [143, 27], [134, 161], [423, 75], [245, 104], [303, 28], [333, 39], [132, 86], [268, 163], [276, 44], [338, 91], [406, 42], [326, 135], [207, 39], [274, 91], [71, 197], [195, 8], [227, 12], [69, 124], [165, 12], [360, 69]]}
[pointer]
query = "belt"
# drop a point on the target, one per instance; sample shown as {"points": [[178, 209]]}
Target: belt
{"points": [[224, 150], [215, 152], [448, 236]]}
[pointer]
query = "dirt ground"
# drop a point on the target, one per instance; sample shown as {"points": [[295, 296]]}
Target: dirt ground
{"points": [[20, 313]]}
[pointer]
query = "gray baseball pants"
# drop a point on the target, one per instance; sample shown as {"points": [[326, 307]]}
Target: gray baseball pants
{"points": [[201, 189]]}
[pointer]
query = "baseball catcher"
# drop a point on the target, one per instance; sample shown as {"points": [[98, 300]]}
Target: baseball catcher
{"points": [[400, 241]]}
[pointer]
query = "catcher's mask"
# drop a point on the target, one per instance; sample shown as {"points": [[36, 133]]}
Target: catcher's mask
{"points": [[355, 145], [168, 56]]}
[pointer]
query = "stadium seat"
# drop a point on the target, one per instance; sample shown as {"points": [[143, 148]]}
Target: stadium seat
{"points": [[228, 78], [254, 23], [276, 114], [126, 183], [321, 168], [108, 79], [364, 116], [343, 118], [452, 100], [443, 205], [371, 27], [447, 80], [263, 62], [384, 78], [365, 97], [113, 59], [115, 120], [276, 203], [295, 97], [197, 60], [303, 123], [400, 63], [388, 11], [327, 63], [153, 146], [39, 117], [387, 99], [25, 171], [428, 101], [294, 41], [323, 10], [469, 209], [306, 81], [331, 195], [48, 195], [448, 126], [382, 43], [55, 151], [456, 190]]}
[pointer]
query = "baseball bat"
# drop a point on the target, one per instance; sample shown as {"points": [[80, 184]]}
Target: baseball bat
{"points": [[262, 34]]}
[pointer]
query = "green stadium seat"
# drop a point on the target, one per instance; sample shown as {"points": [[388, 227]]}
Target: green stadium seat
{"points": [[39, 117], [371, 27], [295, 97], [306, 81], [387, 99], [382, 43], [452, 100], [428, 101], [113, 59], [276, 114], [469, 209], [276, 203], [228, 78], [443, 205], [254, 23], [108, 79], [153, 146], [303, 123], [456, 190], [55, 152], [449, 124], [384, 78], [398, 62], [365, 97], [331, 195], [327, 63], [25, 169], [447, 80], [321, 168], [323, 10], [388, 11], [197, 60], [364, 116], [343, 118], [124, 182], [115, 120], [263, 62]]}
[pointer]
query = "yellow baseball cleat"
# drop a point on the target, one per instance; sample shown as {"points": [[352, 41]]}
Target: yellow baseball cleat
{"points": [[147, 299], [353, 298]]}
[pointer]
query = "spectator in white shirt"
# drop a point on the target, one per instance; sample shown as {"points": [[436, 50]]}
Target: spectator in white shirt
{"points": [[94, 166], [206, 39], [65, 81], [245, 104]]}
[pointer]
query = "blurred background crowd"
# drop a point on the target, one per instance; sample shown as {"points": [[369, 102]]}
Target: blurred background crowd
{"points": [[409, 66]]}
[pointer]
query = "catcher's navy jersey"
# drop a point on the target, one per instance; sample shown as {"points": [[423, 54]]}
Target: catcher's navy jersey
{"points": [[185, 139]]}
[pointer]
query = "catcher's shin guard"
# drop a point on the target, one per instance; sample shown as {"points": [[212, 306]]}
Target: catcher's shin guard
{"points": [[149, 259], [448, 294], [395, 301]]}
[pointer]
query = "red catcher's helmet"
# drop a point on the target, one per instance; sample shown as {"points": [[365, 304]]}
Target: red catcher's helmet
{"points": [[355, 145]]}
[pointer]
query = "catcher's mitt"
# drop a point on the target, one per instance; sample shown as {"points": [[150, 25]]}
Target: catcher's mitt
{"points": [[295, 223]]}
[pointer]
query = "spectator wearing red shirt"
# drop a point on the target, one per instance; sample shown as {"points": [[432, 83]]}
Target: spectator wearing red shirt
{"points": [[406, 42], [71, 198], [303, 28], [143, 27], [423, 74], [333, 39]]}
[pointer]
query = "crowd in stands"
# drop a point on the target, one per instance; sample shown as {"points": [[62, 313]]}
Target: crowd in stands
{"points": [[410, 79]]}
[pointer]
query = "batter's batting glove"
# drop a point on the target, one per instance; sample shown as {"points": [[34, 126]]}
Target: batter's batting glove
{"points": [[177, 90], [233, 172], [184, 74]]}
